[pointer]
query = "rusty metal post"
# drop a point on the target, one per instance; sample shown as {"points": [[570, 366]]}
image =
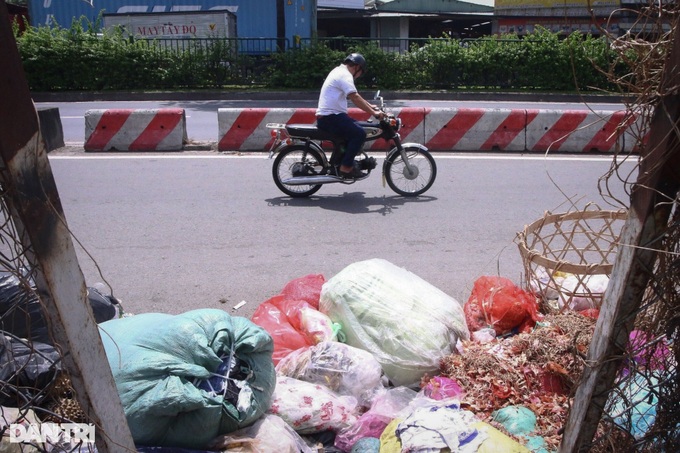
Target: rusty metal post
{"points": [[31, 191], [651, 202]]}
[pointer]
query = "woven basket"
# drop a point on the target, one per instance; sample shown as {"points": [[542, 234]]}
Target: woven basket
{"points": [[568, 257]]}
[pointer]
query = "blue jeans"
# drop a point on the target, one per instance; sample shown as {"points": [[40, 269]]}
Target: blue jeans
{"points": [[344, 126]]}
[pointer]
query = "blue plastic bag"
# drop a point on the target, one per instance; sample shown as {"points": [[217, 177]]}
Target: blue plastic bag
{"points": [[162, 365]]}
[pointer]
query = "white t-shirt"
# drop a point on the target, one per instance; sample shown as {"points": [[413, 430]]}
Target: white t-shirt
{"points": [[333, 97]]}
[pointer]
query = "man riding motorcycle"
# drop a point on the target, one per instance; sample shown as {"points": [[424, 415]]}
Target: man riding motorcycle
{"points": [[331, 113]]}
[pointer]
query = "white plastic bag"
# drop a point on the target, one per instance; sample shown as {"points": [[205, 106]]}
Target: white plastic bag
{"points": [[311, 408], [406, 323], [437, 425]]}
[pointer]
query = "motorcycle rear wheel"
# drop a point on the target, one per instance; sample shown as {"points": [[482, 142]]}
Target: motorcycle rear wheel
{"points": [[289, 159], [404, 182]]}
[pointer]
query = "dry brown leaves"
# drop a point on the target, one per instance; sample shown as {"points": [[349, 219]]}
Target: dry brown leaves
{"points": [[537, 370]]}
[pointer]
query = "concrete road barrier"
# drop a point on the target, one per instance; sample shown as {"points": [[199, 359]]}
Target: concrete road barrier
{"points": [[51, 128], [135, 130], [452, 129], [441, 129], [245, 129], [577, 131]]}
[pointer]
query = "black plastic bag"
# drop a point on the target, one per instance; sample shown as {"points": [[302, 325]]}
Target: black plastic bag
{"points": [[26, 369], [21, 312]]}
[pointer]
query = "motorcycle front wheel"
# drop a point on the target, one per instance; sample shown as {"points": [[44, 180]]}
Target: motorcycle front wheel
{"points": [[414, 181], [296, 161]]}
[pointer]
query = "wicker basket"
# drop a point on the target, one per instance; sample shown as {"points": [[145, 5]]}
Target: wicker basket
{"points": [[568, 257]]}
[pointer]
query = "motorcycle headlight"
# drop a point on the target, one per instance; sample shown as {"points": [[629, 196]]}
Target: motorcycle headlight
{"points": [[395, 123]]}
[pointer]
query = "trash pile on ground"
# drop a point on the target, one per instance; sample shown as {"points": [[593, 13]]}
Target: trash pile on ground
{"points": [[530, 372], [375, 359], [33, 387]]}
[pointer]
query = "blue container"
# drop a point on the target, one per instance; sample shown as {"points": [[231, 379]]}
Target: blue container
{"points": [[287, 19]]}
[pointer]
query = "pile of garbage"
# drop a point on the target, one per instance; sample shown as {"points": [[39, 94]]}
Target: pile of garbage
{"points": [[374, 359], [34, 389]]}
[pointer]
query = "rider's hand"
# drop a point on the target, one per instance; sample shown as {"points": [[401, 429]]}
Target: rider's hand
{"points": [[378, 114]]}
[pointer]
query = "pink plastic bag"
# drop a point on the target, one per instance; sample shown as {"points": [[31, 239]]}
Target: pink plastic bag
{"points": [[441, 388], [368, 425]]}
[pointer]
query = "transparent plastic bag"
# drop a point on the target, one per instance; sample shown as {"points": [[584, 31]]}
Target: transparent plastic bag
{"points": [[312, 408], [342, 368], [367, 425], [268, 434], [388, 404], [406, 323]]}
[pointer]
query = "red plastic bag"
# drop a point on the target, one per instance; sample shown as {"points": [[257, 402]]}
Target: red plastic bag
{"points": [[292, 318], [307, 288], [274, 320], [497, 302], [590, 313]]}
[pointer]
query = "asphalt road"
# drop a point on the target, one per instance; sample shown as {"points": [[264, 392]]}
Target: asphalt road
{"points": [[174, 232]]}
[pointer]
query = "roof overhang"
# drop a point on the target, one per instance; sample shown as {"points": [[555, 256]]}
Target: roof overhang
{"points": [[334, 13]]}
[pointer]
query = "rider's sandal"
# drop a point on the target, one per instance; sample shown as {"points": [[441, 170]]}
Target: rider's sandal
{"points": [[354, 173]]}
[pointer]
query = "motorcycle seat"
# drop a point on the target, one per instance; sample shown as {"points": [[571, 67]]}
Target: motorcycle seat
{"points": [[311, 132]]}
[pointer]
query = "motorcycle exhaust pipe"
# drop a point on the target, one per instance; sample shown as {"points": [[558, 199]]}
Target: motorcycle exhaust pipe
{"points": [[312, 180]]}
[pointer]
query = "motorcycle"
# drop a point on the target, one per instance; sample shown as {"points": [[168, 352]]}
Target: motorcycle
{"points": [[302, 166]]}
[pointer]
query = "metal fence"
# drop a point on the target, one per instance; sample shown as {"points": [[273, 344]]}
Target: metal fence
{"points": [[399, 63], [399, 45], [239, 46], [266, 46], [219, 61]]}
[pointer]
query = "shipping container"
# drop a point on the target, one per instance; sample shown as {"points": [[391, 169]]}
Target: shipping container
{"points": [[286, 20], [179, 24]]}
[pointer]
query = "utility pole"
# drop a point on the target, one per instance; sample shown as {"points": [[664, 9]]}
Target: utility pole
{"points": [[30, 192], [652, 200], [281, 24]]}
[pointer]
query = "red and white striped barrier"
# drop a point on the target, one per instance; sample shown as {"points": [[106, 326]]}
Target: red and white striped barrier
{"points": [[446, 129], [527, 130], [577, 130], [135, 130], [452, 129], [244, 129]]}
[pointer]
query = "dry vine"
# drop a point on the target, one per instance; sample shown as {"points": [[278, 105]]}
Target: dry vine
{"points": [[645, 401]]}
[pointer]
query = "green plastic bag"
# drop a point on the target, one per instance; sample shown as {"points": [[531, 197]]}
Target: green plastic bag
{"points": [[162, 365]]}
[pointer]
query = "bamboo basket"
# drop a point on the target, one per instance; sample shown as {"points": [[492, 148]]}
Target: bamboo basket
{"points": [[568, 257]]}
